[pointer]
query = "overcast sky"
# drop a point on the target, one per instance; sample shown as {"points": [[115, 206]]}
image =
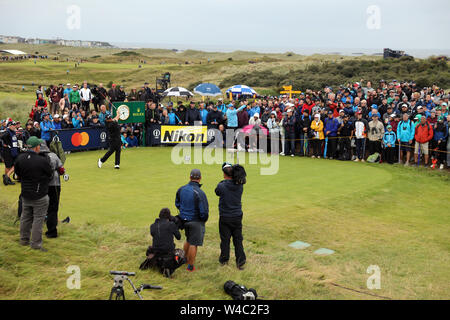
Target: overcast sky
{"points": [[241, 24]]}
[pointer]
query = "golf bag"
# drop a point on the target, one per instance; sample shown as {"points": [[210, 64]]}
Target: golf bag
{"points": [[166, 263], [238, 292], [56, 148], [373, 158]]}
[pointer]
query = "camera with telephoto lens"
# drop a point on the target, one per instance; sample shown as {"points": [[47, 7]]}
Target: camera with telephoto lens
{"points": [[238, 292], [178, 221]]}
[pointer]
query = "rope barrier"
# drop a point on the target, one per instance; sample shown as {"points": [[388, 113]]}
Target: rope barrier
{"points": [[348, 137]]}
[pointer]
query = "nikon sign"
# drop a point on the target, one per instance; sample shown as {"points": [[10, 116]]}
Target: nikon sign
{"points": [[181, 134], [129, 112]]}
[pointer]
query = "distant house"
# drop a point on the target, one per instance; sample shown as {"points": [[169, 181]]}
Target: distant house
{"points": [[11, 39], [389, 53], [60, 42]]}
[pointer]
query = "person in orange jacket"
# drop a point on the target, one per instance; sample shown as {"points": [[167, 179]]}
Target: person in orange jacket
{"points": [[423, 134]]}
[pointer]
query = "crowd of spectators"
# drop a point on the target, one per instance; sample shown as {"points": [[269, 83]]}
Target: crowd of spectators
{"points": [[22, 57], [393, 119]]}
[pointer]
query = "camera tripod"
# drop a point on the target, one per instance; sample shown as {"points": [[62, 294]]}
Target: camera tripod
{"points": [[117, 292]]}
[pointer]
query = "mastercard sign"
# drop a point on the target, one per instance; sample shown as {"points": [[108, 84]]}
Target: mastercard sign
{"points": [[80, 139]]}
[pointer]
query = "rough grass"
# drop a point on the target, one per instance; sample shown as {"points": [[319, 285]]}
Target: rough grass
{"points": [[390, 216], [105, 65]]}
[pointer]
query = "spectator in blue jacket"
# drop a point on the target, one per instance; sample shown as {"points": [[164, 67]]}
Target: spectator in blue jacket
{"points": [[331, 126], [253, 110], [203, 112], [222, 107], [193, 205], [231, 114], [46, 125], [132, 141], [389, 140], [405, 136], [57, 122], [77, 120], [102, 114]]}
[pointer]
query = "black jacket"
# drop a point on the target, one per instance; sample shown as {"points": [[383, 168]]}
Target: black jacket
{"points": [[181, 114], [151, 114], [192, 115], [163, 231], [214, 116], [114, 132], [230, 205], [34, 172]]}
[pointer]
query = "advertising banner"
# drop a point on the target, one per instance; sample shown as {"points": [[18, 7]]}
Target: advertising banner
{"points": [[171, 135], [129, 112], [82, 139]]}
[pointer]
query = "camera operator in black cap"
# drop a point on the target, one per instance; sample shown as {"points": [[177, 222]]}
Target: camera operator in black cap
{"points": [[162, 252], [115, 142], [230, 213]]}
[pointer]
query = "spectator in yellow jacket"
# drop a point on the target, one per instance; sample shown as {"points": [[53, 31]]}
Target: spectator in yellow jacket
{"points": [[317, 136]]}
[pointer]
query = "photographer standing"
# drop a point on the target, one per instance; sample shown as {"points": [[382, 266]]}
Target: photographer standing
{"points": [[194, 211], [230, 213], [115, 142]]}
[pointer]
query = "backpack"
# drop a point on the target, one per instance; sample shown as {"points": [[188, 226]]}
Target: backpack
{"points": [[373, 158], [56, 148]]}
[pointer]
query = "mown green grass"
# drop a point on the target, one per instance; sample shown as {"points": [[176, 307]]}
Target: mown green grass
{"points": [[390, 216]]}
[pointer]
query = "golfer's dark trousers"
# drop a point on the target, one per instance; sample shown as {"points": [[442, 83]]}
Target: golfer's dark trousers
{"points": [[52, 212], [231, 227], [114, 147]]}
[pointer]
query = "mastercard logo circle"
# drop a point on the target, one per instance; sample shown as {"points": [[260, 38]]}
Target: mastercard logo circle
{"points": [[80, 139]]}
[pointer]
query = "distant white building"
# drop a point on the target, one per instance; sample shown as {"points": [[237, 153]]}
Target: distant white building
{"points": [[60, 42], [11, 39]]}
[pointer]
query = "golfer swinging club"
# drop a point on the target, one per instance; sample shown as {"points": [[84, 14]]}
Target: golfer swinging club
{"points": [[115, 143]]}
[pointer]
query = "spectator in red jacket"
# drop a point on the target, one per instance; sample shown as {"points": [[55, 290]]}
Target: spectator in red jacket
{"points": [[332, 104], [308, 105], [423, 134], [41, 102]]}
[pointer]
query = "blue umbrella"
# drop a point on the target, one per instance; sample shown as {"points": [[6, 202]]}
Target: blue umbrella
{"points": [[242, 90], [208, 89]]}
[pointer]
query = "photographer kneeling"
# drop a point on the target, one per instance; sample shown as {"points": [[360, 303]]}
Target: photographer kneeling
{"points": [[162, 253]]}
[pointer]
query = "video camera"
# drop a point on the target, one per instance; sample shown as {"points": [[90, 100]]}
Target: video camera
{"points": [[238, 292]]}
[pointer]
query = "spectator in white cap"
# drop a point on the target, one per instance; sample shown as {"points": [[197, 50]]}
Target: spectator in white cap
{"points": [[317, 141], [57, 121]]}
